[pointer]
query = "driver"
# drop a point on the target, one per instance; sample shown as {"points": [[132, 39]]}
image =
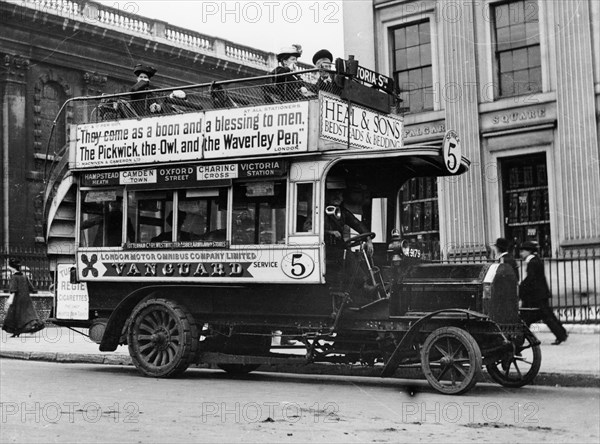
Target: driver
{"points": [[341, 268], [335, 224]]}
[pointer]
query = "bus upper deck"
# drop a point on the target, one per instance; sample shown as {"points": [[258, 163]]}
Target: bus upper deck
{"points": [[228, 180]]}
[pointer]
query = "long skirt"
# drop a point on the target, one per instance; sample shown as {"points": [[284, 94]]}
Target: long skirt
{"points": [[21, 317]]}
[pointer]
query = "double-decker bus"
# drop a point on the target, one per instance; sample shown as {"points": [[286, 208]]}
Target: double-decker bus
{"points": [[249, 209]]}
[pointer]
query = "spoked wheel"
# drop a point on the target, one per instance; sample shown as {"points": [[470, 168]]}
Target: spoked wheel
{"points": [[520, 367], [163, 338], [451, 360]]}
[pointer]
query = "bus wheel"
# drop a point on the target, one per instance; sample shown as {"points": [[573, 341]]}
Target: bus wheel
{"points": [[163, 338], [451, 360], [519, 368], [238, 369]]}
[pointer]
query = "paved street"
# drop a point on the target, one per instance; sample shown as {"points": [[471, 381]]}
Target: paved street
{"points": [[54, 402]]}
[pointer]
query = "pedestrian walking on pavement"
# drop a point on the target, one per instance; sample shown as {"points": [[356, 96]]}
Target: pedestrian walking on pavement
{"points": [[534, 293], [20, 317], [504, 256]]}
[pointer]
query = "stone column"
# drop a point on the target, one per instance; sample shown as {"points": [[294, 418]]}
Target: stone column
{"points": [[14, 152], [462, 198], [577, 157]]}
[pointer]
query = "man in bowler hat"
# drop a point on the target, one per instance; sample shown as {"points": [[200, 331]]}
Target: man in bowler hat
{"points": [[504, 256], [534, 293], [142, 99]]}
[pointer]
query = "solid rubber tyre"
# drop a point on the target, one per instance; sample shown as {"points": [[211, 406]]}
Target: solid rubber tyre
{"points": [[519, 368], [451, 360], [163, 338]]}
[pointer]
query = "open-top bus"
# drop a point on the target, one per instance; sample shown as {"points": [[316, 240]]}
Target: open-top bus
{"points": [[196, 234]]}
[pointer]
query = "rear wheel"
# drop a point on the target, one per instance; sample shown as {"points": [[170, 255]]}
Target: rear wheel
{"points": [[520, 367], [163, 338], [451, 360]]}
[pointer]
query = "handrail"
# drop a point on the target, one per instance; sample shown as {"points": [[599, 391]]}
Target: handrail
{"points": [[266, 77]]}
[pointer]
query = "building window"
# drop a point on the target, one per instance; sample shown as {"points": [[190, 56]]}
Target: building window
{"points": [[517, 48], [526, 204], [412, 66], [419, 215]]}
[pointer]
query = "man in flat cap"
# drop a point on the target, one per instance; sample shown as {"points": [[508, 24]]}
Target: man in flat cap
{"points": [[534, 293], [323, 59], [142, 99]]}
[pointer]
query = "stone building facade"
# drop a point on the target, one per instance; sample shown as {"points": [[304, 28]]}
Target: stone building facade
{"points": [[52, 51], [519, 80]]}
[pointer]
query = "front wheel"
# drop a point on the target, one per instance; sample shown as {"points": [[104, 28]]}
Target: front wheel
{"points": [[520, 367], [451, 360], [163, 338]]}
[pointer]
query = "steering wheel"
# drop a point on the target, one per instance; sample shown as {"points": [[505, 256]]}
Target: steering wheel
{"points": [[356, 240]]}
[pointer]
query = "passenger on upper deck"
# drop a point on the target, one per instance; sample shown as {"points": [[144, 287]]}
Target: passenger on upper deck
{"points": [[289, 86], [142, 99], [323, 59]]}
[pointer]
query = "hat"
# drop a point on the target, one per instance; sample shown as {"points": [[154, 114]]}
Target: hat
{"points": [[14, 263], [288, 51], [336, 183], [530, 246], [322, 54], [139, 68], [502, 244]]}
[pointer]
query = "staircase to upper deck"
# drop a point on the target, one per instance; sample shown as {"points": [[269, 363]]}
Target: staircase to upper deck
{"points": [[60, 197]]}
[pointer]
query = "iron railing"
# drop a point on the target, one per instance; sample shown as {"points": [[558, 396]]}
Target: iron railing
{"points": [[34, 263], [573, 277]]}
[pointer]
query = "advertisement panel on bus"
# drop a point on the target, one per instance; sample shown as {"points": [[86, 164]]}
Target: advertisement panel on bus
{"points": [[251, 131], [249, 265]]}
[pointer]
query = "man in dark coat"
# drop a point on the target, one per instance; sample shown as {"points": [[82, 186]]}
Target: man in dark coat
{"points": [[142, 99], [323, 60], [341, 267], [504, 256], [534, 293]]}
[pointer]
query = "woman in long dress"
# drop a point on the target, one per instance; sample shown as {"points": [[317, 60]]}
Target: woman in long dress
{"points": [[21, 317]]}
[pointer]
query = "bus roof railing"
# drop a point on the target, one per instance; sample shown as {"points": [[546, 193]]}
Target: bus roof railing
{"points": [[182, 99]]}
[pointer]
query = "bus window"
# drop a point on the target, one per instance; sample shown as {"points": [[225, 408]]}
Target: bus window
{"points": [[152, 212], [304, 208], [205, 212], [102, 219], [259, 213]]}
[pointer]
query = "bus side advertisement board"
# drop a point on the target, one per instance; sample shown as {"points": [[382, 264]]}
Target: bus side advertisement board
{"points": [[272, 265], [256, 131], [358, 127]]}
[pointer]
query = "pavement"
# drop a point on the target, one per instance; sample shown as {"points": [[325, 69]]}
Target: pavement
{"points": [[574, 363]]}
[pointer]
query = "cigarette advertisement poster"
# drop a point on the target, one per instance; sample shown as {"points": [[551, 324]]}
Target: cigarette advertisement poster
{"points": [[357, 126], [258, 265], [71, 299], [261, 130]]}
